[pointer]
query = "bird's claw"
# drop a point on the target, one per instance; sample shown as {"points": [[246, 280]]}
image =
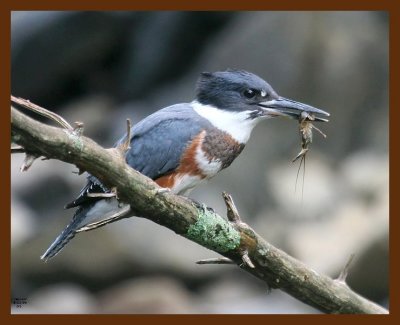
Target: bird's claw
{"points": [[163, 190]]}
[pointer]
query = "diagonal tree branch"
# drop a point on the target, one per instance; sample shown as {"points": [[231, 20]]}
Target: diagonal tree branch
{"points": [[197, 223]]}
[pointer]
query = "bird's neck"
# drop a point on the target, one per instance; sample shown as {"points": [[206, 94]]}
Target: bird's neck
{"points": [[237, 124]]}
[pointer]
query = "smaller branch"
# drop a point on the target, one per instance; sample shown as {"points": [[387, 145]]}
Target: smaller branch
{"points": [[343, 275], [232, 212], [220, 260], [17, 149], [234, 217], [30, 158], [126, 145], [122, 214], [42, 111]]}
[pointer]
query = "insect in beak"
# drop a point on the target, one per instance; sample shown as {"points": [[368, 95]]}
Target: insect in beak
{"points": [[305, 127]]}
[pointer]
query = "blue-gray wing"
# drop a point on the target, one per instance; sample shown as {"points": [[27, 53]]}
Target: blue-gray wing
{"points": [[157, 144]]}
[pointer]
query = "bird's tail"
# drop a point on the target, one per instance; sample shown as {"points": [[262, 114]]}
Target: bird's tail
{"points": [[67, 234]]}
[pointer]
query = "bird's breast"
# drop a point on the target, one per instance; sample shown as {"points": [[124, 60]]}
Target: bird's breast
{"points": [[220, 146], [208, 153]]}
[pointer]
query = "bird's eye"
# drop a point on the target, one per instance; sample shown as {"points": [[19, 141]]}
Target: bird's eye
{"points": [[249, 93]]}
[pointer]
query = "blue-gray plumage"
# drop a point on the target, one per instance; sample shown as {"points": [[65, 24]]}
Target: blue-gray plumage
{"points": [[184, 144], [159, 141]]}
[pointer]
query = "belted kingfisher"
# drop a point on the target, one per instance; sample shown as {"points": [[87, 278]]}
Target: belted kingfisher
{"points": [[182, 145]]}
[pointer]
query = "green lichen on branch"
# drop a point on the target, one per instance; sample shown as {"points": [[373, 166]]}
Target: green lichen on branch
{"points": [[213, 232]]}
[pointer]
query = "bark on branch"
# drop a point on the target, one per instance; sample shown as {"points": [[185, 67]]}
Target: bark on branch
{"points": [[197, 223]]}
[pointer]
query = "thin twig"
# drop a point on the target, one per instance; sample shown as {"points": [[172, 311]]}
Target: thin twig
{"points": [[234, 217], [232, 212], [125, 145], [42, 111]]}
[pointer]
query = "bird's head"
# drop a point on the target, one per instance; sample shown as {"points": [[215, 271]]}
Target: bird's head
{"points": [[244, 93]]}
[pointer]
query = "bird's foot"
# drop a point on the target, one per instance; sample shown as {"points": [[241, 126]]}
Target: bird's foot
{"points": [[102, 195], [163, 190]]}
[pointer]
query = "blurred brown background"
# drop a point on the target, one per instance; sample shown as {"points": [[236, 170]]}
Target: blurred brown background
{"points": [[104, 67]]}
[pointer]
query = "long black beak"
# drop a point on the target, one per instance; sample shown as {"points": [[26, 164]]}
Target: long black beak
{"points": [[287, 107]]}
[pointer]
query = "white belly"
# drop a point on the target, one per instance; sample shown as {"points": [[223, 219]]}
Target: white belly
{"points": [[208, 167], [185, 183]]}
